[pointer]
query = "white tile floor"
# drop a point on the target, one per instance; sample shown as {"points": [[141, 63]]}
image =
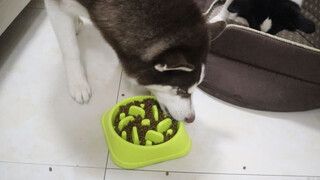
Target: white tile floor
{"points": [[44, 134]]}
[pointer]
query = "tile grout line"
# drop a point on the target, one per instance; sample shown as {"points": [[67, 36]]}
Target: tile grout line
{"points": [[141, 170], [105, 169], [43, 164], [208, 173], [119, 86], [117, 99]]}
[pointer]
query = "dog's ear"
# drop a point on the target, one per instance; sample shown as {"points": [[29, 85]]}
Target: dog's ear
{"points": [[305, 25], [174, 62], [215, 29]]}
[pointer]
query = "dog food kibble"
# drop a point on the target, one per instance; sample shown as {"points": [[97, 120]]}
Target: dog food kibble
{"points": [[155, 112], [122, 115], [135, 136], [144, 123], [125, 122], [169, 132], [148, 143], [124, 135], [154, 136], [137, 111], [164, 125]]}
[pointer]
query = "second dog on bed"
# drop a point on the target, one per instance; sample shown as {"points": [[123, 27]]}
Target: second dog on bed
{"points": [[271, 16]]}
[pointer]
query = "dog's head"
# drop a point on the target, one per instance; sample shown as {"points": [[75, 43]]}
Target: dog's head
{"points": [[272, 17], [175, 75], [180, 74], [173, 67]]}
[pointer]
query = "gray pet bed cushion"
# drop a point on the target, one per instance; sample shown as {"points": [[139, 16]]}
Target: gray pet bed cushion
{"points": [[259, 71], [264, 72]]}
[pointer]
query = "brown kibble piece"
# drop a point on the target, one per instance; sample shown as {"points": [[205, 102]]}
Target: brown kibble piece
{"points": [[142, 130], [50, 169]]}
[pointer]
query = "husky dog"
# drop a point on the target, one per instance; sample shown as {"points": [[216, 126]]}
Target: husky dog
{"points": [[271, 16], [161, 44]]}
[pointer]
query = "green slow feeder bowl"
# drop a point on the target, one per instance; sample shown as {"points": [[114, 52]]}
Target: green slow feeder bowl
{"points": [[130, 156]]}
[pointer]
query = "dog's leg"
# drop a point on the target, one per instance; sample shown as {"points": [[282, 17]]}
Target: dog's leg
{"points": [[77, 24], [64, 27], [223, 14]]}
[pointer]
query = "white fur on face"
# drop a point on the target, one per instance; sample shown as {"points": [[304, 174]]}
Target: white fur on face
{"points": [[266, 25], [193, 87], [163, 68], [203, 68], [178, 107]]}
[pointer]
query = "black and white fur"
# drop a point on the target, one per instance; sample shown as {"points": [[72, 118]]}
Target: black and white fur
{"points": [[161, 44], [271, 16]]}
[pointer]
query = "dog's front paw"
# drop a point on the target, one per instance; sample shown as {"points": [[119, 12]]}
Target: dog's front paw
{"points": [[80, 91]]}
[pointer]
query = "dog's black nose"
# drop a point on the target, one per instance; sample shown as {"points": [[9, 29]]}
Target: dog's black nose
{"points": [[190, 119]]}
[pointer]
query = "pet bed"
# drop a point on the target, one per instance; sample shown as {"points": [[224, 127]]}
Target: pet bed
{"points": [[256, 70]]}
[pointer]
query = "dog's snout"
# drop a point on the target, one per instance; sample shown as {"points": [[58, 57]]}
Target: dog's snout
{"points": [[190, 119]]}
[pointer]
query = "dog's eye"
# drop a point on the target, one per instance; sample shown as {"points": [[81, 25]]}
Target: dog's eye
{"points": [[183, 93]]}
